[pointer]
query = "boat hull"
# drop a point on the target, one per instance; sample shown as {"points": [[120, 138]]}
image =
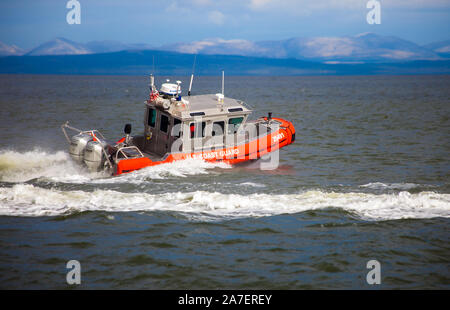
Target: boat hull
{"points": [[252, 150]]}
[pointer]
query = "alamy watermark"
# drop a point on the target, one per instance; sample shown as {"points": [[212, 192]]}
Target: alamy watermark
{"points": [[211, 140], [74, 274], [74, 15], [374, 275], [374, 15]]}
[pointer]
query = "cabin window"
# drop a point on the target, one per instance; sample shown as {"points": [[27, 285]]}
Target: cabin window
{"points": [[197, 113], [218, 128], [176, 130], [164, 123], [151, 117], [233, 124], [197, 131]]}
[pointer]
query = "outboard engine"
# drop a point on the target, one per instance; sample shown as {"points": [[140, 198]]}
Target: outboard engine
{"points": [[94, 156], [77, 145]]}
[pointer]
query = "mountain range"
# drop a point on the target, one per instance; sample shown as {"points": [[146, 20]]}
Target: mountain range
{"points": [[10, 50], [362, 48]]}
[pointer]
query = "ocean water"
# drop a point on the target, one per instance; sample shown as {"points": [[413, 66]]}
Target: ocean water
{"points": [[366, 179]]}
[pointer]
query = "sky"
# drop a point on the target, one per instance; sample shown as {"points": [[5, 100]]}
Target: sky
{"points": [[28, 23]]}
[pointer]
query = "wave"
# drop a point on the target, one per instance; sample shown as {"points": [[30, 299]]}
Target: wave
{"points": [[39, 164], [30, 200]]}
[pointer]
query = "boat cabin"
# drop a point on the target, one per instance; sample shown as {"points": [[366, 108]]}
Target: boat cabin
{"points": [[191, 124]]}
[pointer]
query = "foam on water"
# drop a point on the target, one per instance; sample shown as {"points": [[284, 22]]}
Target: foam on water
{"points": [[181, 168], [251, 184], [397, 186], [29, 200], [22, 167], [58, 167], [32, 200]]}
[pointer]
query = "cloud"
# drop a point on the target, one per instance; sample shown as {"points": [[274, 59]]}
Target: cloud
{"points": [[308, 5], [216, 17], [256, 4], [303, 7], [216, 11], [202, 2], [417, 3], [174, 7]]}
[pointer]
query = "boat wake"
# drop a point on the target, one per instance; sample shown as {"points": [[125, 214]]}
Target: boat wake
{"points": [[182, 168], [30, 200], [395, 186], [39, 164], [18, 198], [16, 167]]}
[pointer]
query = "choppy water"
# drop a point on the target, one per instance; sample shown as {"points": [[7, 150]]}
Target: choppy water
{"points": [[367, 178]]}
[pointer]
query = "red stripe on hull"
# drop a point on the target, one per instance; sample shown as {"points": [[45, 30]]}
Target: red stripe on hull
{"points": [[238, 154]]}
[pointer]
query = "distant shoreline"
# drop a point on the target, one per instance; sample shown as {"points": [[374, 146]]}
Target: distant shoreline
{"points": [[171, 63]]}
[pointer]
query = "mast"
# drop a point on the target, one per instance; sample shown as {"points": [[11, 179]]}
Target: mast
{"points": [[190, 84], [192, 76], [223, 82]]}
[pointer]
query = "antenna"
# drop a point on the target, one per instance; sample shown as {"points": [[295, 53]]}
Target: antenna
{"points": [[192, 76], [153, 64], [178, 95], [152, 82], [152, 78], [190, 85], [223, 82]]}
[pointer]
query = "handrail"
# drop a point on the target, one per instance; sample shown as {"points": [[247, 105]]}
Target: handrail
{"points": [[245, 104], [66, 125], [91, 132], [127, 147]]}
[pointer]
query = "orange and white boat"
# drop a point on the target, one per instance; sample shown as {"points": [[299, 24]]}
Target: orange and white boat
{"points": [[211, 127]]}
